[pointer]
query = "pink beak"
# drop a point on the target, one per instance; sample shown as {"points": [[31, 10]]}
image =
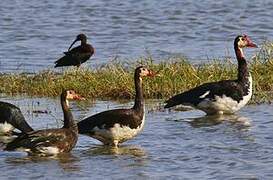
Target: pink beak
{"points": [[151, 73], [78, 97], [73, 43], [250, 43]]}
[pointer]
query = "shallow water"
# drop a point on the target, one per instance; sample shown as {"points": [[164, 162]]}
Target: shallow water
{"points": [[35, 33], [173, 145]]}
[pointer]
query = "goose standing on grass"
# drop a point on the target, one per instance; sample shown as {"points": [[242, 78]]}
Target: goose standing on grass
{"points": [[51, 141], [223, 97], [11, 117], [113, 127], [77, 55]]}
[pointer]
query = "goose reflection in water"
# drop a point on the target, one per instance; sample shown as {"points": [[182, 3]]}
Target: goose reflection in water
{"points": [[205, 121], [129, 150], [65, 161], [213, 120]]}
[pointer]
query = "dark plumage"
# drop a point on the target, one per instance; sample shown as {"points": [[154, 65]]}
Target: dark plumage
{"points": [[77, 55], [107, 120], [192, 97], [116, 126], [225, 96], [11, 117], [50, 141]]}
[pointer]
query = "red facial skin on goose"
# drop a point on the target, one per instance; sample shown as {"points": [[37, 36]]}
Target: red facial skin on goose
{"points": [[249, 42]]}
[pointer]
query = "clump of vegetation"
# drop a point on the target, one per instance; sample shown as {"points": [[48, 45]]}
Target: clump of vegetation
{"points": [[115, 81]]}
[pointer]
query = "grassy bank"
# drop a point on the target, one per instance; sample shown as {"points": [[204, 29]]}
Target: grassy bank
{"points": [[116, 80]]}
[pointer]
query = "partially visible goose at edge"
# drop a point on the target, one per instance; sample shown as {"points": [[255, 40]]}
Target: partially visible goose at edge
{"points": [[50, 141], [11, 117], [116, 126], [223, 97], [77, 55]]}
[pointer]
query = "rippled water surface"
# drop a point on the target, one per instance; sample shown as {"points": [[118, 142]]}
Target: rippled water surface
{"points": [[35, 33], [173, 145]]}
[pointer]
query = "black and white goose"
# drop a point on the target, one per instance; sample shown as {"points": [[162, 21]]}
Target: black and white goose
{"points": [[223, 97], [11, 117], [113, 127], [50, 141]]}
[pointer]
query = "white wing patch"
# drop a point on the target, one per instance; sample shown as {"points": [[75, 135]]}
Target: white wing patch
{"points": [[5, 127], [204, 95], [51, 150]]}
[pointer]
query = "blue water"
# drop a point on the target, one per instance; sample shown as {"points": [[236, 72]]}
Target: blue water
{"points": [[35, 33], [173, 145]]}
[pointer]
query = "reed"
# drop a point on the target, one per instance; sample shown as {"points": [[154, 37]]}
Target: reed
{"points": [[115, 80]]}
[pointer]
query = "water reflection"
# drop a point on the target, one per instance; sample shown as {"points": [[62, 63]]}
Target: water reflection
{"points": [[130, 150], [206, 121], [66, 161]]}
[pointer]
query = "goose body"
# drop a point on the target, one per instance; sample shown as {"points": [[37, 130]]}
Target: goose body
{"points": [[116, 126], [11, 117], [222, 97], [48, 142], [77, 55], [44, 142]]}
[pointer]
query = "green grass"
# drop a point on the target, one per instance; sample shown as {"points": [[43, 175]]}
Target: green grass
{"points": [[115, 81]]}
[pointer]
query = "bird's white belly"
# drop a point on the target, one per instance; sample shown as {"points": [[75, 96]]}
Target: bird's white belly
{"points": [[117, 134], [5, 128], [224, 104]]}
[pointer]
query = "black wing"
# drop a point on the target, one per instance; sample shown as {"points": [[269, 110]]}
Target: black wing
{"points": [[194, 96], [75, 56], [74, 59]]}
